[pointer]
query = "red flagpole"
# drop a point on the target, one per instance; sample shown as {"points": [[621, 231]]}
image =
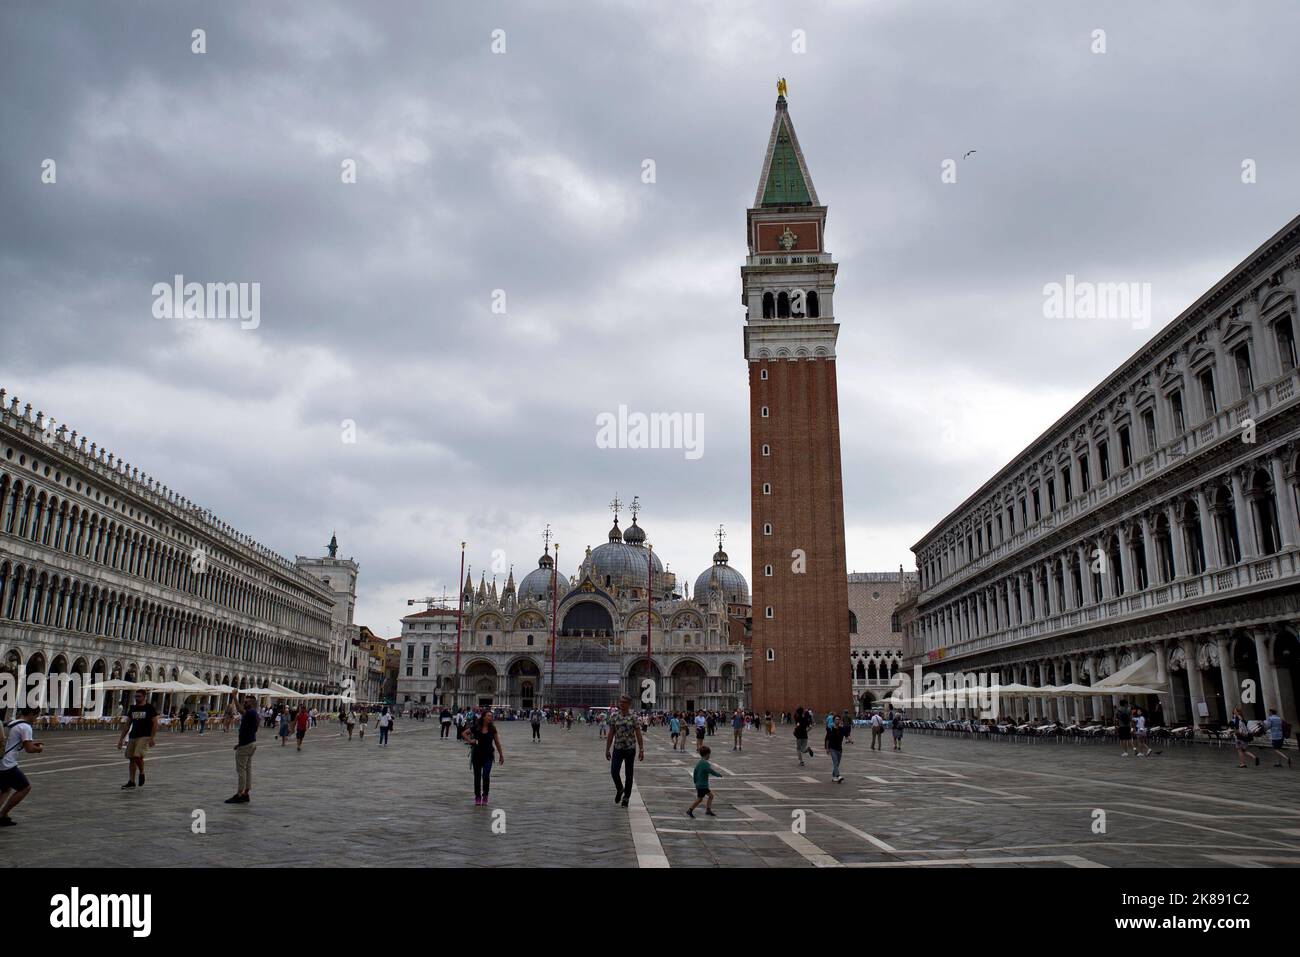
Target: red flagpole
{"points": [[649, 603], [460, 611], [555, 598]]}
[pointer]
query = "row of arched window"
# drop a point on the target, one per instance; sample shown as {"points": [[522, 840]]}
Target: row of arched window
{"points": [[1178, 539], [30, 513], [796, 303], [34, 596]]}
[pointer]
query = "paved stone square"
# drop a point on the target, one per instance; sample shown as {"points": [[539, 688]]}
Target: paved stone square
{"points": [[942, 802]]}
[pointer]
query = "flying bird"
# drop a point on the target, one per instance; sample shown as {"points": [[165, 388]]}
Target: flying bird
{"points": [[971, 153]]}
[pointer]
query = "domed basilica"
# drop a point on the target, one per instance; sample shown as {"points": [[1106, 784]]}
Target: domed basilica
{"points": [[693, 653]]}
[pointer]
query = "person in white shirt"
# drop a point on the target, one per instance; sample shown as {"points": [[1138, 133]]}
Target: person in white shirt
{"points": [[1140, 734], [14, 785], [385, 724], [877, 731]]}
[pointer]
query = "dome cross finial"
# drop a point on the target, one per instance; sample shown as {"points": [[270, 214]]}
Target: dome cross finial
{"points": [[614, 507], [636, 507], [722, 534]]}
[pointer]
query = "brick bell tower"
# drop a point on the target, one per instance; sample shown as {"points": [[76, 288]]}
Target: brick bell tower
{"points": [[801, 600]]}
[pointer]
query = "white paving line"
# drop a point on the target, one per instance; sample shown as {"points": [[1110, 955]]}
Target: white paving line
{"points": [[1070, 859], [1251, 860], [809, 851], [870, 839], [118, 763], [1112, 783], [767, 790], [645, 839]]}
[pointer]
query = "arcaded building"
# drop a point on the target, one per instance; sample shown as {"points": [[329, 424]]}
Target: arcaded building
{"points": [[1152, 527], [107, 573], [875, 633]]}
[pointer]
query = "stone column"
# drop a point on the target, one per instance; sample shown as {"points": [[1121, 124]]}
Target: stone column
{"points": [[1108, 703], [1095, 700], [1149, 552], [1194, 684], [1053, 598], [1269, 690], [1231, 683], [1245, 521], [1036, 702], [1085, 574], [1062, 703], [1209, 535], [1125, 562], [1107, 592], [1286, 512], [1176, 541]]}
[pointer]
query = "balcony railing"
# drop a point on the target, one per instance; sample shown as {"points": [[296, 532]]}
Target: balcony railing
{"points": [[792, 259], [1156, 598]]}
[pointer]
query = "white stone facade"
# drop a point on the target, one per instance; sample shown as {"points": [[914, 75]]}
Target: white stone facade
{"points": [[1158, 516], [105, 572]]}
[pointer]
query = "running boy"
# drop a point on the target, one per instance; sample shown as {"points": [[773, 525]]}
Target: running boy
{"points": [[703, 769]]}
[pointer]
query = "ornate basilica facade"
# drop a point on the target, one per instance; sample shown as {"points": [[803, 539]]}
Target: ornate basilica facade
{"points": [[602, 645], [1153, 528]]}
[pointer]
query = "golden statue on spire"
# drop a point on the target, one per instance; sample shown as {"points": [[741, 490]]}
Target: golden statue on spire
{"points": [[781, 87]]}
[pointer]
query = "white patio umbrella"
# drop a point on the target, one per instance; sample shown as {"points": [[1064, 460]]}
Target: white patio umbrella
{"points": [[114, 684]]}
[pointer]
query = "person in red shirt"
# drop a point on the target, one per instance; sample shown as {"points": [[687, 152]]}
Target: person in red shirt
{"points": [[301, 723]]}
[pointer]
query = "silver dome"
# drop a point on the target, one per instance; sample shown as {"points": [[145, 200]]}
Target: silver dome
{"points": [[623, 562], [537, 583], [735, 589]]}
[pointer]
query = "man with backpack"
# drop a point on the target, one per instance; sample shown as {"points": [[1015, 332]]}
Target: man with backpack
{"points": [[14, 785]]}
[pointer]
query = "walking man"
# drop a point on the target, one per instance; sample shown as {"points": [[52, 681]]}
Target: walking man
{"points": [[444, 719], [737, 730], [384, 724], [623, 746], [14, 785], [301, 723], [535, 719], [802, 721], [1277, 737], [1123, 730], [244, 749], [140, 732], [834, 744], [877, 731]]}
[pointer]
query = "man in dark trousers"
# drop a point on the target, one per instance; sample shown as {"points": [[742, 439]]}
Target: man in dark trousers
{"points": [[244, 749]]}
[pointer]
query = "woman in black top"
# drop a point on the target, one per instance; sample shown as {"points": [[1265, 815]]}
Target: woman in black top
{"points": [[483, 737]]}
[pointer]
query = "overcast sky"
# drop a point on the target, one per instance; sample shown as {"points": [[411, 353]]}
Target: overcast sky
{"points": [[521, 171]]}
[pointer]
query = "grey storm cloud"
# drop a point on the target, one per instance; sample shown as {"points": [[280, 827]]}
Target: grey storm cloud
{"points": [[522, 172]]}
